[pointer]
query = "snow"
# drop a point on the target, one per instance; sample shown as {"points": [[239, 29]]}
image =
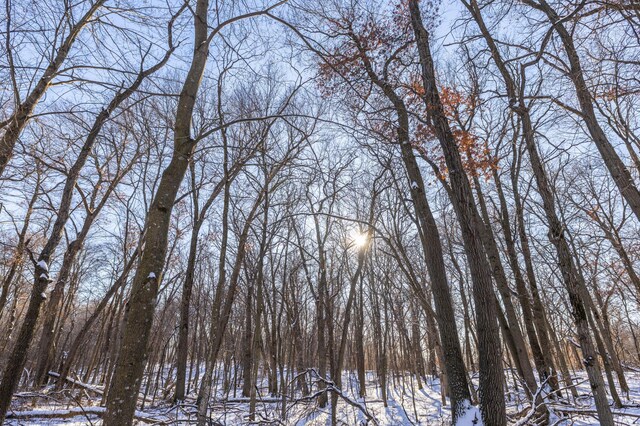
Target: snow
{"points": [[471, 416], [43, 276], [43, 295], [407, 404], [43, 265]]}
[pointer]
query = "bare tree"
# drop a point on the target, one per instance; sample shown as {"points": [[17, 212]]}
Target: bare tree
{"points": [[23, 109]]}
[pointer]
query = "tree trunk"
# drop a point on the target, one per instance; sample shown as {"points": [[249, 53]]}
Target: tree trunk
{"points": [[248, 351], [542, 362], [566, 264], [122, 396], [432, 248], [183, 326], [521, 355], [492, 402], [359, 341], [619, 172]]}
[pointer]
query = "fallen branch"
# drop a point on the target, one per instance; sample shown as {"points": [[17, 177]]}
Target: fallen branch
{"points": [[76, 411], [88, 387], [630, 367], [331, 387], [77, 383], [535, 407], [246, 400], [590, 412]]}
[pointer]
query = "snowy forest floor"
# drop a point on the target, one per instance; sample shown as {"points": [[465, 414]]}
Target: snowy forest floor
{"points": [[407, 405]]}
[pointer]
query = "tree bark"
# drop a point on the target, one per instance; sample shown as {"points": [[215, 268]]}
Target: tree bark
{"points": [[432, 248], [543, 362], [571, 276], [520, 355], [492, 404], [121, 400]]}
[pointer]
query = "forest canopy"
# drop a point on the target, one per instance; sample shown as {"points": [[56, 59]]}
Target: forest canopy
{"points": [[320, 212]]}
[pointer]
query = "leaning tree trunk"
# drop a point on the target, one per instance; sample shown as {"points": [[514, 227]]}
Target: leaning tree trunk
{"points": [[520, 355], [571, 276], [543, 362], [46, 344], [18, 120], [618, 170], [492, 402], [123, 391], [432, 248], [572, 279]]}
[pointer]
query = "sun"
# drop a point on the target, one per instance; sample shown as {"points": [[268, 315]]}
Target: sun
{"points": [[359, 239]]}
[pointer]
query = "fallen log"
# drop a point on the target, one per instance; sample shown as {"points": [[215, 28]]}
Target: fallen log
{"points": [[77, 383], [90, 388], [591, 412], [75, 412]]}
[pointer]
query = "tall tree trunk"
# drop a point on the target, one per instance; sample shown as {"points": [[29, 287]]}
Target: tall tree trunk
{"points": [[618, 170], [256, 343], [248, 350], [359, 341], [492, 402], [521, 355], [572, 279], [45, 345], [124, 387], [183, 326], [543, 362], [432, 248], [566, 264], [321, 319], [538, 311]]}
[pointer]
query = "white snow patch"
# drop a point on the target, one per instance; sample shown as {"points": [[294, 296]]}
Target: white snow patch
{"points": [[471, 416], [43, 265]]}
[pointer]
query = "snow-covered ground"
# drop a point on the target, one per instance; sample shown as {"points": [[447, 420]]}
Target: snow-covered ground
{"points": [[407, 405]]}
